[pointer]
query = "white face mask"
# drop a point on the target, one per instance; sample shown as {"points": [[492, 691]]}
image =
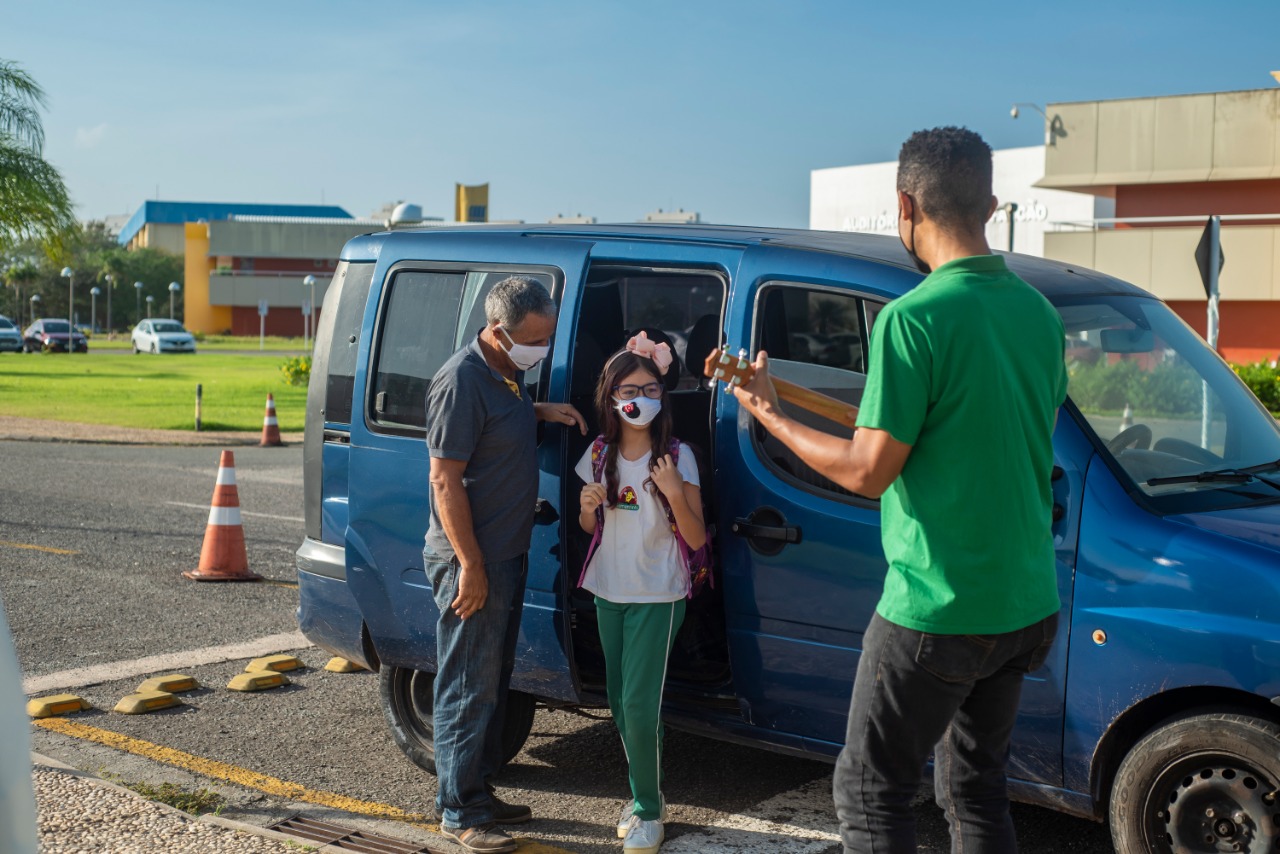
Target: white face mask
{"points": [[640, 411], [524, 356]]}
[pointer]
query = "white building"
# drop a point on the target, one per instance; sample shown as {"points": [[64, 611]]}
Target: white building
{"points": [[862, 198]]}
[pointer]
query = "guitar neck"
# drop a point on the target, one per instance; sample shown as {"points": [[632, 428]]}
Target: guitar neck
{"points": [[819, 404]]}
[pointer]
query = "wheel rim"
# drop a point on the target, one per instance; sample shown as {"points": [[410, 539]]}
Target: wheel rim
{"points": [[1212, 802]]}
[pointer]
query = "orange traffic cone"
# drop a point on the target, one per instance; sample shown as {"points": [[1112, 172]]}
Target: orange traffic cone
{"points": [[270, 427], [223, 556]]}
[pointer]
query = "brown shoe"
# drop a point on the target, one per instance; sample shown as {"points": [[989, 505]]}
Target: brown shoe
{"points": [[482, 839], [505, 813]]}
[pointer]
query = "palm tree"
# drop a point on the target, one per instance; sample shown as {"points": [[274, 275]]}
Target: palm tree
{"points": [[34, 203]]}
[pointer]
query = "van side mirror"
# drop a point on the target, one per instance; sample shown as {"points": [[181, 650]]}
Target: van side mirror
{"points": [[1135, 340]]}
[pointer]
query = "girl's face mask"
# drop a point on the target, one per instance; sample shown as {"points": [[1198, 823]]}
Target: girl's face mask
{"points": [[639, 411]]}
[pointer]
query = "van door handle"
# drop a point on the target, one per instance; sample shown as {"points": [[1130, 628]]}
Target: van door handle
{"points": [[544, 513], [766, 531], [750, 530]]}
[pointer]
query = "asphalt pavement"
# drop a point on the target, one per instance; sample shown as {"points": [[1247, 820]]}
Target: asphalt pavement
{"points": [[93, 539]]}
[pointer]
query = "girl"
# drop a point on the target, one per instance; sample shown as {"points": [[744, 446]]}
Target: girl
{"points": [[635, 568]]}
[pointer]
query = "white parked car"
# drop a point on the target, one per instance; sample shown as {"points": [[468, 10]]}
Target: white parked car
{"points": [[162, 336]]}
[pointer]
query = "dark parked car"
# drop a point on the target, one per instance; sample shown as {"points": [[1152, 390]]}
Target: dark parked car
{"points": [[49, 333], [10, 336]]}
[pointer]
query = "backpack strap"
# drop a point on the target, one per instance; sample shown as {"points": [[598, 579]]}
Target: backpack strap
{"points": [[597, 475]]}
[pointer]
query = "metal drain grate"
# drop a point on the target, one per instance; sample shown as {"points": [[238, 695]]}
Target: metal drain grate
{"points": [[346, 838]]}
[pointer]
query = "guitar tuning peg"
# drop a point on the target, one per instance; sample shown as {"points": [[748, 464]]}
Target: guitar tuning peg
{"points": [[724, 355], [742, 353]]}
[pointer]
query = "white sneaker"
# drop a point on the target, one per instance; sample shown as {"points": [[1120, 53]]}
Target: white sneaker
{"points": [[628, 810], [643, 837]]}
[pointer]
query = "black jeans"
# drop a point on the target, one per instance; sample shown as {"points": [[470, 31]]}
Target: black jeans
{"points": [[956, 695]]}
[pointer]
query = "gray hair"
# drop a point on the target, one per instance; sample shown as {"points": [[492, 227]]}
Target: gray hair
{"points": [[515, 298]]}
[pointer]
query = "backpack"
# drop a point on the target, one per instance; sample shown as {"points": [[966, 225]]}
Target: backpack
{"points": [[697, 562]]}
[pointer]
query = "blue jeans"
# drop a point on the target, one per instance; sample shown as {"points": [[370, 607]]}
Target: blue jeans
{"points": [[473, 669], [956, 695]]}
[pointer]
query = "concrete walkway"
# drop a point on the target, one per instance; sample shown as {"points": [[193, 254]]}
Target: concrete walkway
{"points": [[13, 428]]}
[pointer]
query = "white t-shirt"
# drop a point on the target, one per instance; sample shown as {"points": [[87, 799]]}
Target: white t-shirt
{"points": [[638, 559]]}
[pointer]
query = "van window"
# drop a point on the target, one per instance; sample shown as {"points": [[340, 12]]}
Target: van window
{"points": [[474, 292], [815, 337], [344, 344], [419, 324], [428, 316]]}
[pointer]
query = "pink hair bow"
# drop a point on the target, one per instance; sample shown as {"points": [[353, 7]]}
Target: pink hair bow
{"points": [[660, 354]]}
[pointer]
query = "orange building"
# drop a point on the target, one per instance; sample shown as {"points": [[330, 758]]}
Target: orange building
{"points": [[1169, 163]]}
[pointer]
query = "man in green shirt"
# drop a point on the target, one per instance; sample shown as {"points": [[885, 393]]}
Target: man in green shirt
{"points": [[955, 432]]}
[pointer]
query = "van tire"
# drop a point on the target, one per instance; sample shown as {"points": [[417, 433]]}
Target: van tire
{"points": [[1199, 780], [407, 697]]}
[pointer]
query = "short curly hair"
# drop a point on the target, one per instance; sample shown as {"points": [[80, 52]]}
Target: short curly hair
{"points": [[947, 172], [515, 298]]}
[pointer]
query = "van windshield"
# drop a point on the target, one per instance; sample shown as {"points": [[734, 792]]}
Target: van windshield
{"points": [[1169, 411]]}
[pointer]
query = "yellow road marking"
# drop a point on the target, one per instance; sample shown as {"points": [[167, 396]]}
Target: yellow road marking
{"points": [[292, 585], [253, 780], [48, 549]]}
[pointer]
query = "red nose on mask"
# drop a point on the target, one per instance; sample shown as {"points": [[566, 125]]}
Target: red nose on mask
{"points": [[631, 410]]}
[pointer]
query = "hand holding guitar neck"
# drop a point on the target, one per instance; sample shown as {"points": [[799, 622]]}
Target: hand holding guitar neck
{"points": [[737, 371]]}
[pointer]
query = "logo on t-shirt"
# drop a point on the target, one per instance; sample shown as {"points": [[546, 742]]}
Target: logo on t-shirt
{"points": [[627, 499]]}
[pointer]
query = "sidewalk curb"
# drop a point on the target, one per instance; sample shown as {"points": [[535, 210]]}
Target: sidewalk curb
{"points": [[14, 428]]}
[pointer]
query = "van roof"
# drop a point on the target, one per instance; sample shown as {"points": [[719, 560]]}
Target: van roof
{"points": [[1052, 278]]}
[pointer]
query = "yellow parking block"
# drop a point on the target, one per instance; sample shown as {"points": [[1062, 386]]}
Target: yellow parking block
{"points": [[341, 665], [278, 663], [174, 683], [146, 701], [259, 680], [57, 705]]}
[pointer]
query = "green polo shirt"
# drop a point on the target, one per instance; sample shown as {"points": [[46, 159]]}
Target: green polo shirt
{"points": [[968, 369]]}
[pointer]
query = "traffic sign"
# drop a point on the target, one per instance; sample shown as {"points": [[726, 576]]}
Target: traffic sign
{"points": [[262, 308], [1202, 257]]}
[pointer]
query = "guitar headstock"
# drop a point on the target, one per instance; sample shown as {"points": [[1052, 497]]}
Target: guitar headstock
{"points": [[731, 370]]}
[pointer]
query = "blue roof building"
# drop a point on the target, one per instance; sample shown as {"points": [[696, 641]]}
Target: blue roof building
{"points": [[159, 224]]}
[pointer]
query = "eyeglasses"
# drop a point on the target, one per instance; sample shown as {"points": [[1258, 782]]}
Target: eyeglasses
{"points": [[631, 392]]}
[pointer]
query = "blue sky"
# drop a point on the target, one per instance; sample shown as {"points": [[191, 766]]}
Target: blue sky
{"points": [[603, 108]]}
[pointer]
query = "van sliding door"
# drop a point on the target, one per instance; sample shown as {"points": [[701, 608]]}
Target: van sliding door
{"points": [[426, 308]]}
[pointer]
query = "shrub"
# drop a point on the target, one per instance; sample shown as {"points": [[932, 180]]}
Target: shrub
{"points": [[1263, 380], [296, 370], [1170, 388]]}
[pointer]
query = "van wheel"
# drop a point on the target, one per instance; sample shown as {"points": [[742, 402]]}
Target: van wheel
{"points": [[407, 697], [1203, 783]]}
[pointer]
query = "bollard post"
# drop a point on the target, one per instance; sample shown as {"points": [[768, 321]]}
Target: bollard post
{"points": [[199, 398]]}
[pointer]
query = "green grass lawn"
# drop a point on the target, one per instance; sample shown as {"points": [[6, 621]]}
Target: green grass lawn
{"points": [[271, 344], [149, 391]]}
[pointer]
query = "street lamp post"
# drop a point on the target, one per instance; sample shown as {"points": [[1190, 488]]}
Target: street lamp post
{"points": [[93, 307], [137, 302], [111, 286], [71, 304], [150, 299], [174, 287], [310, 281], [35, 300]]}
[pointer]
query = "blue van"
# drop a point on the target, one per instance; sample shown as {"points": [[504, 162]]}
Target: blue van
{"points": [[1159, 707]]}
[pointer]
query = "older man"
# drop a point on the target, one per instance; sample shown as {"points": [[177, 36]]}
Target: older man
{"points": [[484, 484]]}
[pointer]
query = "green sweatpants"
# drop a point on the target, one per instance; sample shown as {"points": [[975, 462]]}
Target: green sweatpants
{"points": [[637, 638]]}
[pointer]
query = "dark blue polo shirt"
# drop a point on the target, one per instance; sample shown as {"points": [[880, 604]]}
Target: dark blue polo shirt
{"points": [[474, 415]]}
